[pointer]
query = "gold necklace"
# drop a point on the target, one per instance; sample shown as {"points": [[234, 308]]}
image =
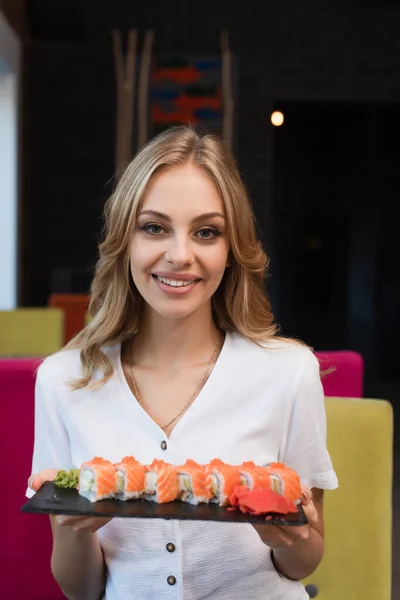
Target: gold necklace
{"points": [[210, 364]]}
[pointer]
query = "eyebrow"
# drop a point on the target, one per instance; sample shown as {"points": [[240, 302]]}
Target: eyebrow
{"points": [[203, 217]]}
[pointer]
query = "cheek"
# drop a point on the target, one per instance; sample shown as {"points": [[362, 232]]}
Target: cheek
{"points": [[215, 266], [140, 255], [220, 258]]}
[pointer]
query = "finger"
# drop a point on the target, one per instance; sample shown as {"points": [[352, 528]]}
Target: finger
{"points": [[77, 524], [81, 524], [297, 532], [274, 536], [306, 495], [36, 481], [283, 538], [311, 513], [65, 520], [90, 525]]}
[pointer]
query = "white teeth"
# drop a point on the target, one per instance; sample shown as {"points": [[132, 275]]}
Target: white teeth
{"points": [[175, 282]]}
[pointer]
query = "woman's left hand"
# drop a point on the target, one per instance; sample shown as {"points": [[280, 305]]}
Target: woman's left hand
{"points": [[278, 536]]}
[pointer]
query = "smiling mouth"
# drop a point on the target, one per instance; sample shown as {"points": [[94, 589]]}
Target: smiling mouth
{"points": [[175, 282]]}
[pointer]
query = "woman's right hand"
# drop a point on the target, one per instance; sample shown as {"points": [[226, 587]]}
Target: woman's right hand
{"points": [[76, 523]]}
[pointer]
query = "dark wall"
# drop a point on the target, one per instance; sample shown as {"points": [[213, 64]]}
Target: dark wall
{"points": [[70, 122], [335, 190], [284, 51]]}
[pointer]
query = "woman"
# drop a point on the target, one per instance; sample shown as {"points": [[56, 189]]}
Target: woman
{"points": [[181, 360]]}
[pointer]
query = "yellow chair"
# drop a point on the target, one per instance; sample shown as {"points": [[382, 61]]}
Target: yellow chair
{"points": [[358, 515], [31, 331]]}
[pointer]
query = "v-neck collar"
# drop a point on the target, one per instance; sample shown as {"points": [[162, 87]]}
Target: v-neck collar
{"points": [[205, 390]]}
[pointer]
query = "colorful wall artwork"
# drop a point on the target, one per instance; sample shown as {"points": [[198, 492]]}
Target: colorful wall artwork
{"points": [[186, 89]]}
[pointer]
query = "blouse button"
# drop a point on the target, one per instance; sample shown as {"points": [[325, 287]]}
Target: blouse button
{"points": [[163, 445], [170, 547], [171, 580]]}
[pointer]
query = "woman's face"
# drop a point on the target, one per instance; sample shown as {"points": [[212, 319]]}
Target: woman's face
{"points": [[180, 247]]}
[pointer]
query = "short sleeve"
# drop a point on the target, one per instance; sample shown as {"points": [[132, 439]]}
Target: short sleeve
{"points": [[304, 436], [51, 443]]}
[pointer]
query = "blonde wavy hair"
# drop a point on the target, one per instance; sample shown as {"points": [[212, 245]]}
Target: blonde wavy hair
{"points": [[240, 303]]}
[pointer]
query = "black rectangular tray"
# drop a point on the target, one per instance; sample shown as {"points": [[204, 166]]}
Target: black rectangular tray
{"points": [[51, 499]]}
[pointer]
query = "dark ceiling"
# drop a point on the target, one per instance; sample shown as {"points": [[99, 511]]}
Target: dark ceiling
{"points": [[84, 20]]}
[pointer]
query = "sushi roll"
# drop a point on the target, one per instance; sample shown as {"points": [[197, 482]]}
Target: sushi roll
{"points": [[224, 479], [194, 483], [97, 480], [256, 477], [285, 481], [130, 478], [160, 482]]}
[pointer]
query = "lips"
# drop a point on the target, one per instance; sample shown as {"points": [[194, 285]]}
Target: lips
{"points": [[176, 282], [176, 276]]}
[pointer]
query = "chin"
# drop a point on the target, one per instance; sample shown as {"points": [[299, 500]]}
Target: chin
{"points": [[173, 313], [174, 309]]}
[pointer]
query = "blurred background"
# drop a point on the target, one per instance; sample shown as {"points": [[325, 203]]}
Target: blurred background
{"points": [[308, 95]]}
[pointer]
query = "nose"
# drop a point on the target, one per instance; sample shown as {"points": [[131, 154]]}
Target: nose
{"points": [[179, 252]]}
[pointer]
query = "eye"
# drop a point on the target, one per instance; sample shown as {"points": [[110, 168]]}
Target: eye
{"points": [[208, 233], [152, 229]]}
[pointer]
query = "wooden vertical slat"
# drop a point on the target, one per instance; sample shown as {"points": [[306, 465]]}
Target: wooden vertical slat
{"points": [[125, 79], [143, 100]]}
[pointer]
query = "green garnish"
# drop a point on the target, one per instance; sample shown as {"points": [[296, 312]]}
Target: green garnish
{"points": [[67, 479]]}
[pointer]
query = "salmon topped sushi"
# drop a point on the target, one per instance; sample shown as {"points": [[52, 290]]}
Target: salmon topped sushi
{"points": [[97, 480], [285, 481], [224, 479], [130, 478], [256, 477], [160, 482], [194, 483]]}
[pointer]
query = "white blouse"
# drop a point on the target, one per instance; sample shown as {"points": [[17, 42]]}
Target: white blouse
{"points": [[260, 403]]}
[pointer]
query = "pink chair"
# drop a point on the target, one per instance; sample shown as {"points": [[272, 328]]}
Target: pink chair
{"points": [[26, 549], [346, 377]]}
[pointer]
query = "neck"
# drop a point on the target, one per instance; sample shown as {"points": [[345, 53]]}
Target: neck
{"points": [[175, 343]]}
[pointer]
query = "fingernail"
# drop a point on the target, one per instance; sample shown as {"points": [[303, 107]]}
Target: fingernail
{"points": [[30, 483]]}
